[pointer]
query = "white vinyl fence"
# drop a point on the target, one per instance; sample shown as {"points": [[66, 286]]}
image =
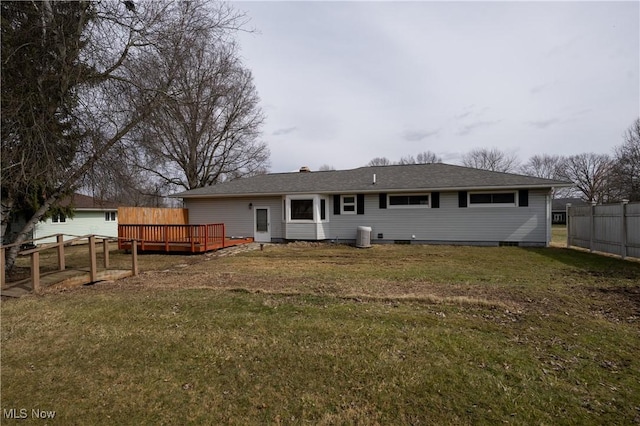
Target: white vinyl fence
{"points": [[609, 228]]}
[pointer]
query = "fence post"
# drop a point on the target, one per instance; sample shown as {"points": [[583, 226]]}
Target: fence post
{"points": [[105, 252], [134, 257], [593, 225], [35, 271], [623, 242], [93, 269], [60, 240], [2, 276], [568, 222]]}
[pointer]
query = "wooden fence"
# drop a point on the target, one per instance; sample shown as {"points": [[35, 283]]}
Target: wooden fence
{"points": [[152, 216], [610, 228]]}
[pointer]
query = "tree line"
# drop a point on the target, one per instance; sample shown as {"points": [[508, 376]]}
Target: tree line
{"points": [[600, 178]]}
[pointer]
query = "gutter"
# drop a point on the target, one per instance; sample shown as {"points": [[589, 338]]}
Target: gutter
{"points": [[373, 191]]}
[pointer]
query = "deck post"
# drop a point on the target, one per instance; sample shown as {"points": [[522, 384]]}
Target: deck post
{"points": [[166, 238], [60, 240], [2, 276], [105, 252], [93, 270], [35, 272], [224, 237], [193, 246], [134, 257], [206, 237]]}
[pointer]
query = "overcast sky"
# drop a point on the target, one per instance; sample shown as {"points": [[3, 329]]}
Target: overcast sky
{"points": [[344, 82]]}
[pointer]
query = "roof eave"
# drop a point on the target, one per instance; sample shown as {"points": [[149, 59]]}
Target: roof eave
{"points": [[378, 190]]}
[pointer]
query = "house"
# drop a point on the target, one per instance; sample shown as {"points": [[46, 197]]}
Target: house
{"points": [[559, 209], [422, 203], [91, 216]]}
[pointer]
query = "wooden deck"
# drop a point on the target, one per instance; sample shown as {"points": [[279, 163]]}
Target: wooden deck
{"points": [[177, 238]]}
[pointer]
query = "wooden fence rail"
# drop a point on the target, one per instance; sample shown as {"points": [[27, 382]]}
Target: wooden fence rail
{"points": [[60, 245], [609, 228]]}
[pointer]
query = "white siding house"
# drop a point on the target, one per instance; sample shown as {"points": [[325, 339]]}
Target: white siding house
{"points": [[428, 203], [91, 216]]}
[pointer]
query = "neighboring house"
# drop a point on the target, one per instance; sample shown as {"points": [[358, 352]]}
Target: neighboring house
{"points": [[559, 209], [91, 216], [426, 203]]}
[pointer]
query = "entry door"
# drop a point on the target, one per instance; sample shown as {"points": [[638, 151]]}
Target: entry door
{"points": [[262, 225]]}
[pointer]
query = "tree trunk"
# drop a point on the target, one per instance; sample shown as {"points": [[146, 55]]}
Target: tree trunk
{"points": [[5, 213], [12, 252]]}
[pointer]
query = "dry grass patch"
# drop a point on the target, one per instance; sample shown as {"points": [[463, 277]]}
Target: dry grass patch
{"points": [[332, 334]]}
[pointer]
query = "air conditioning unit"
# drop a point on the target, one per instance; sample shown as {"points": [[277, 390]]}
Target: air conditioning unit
{"points": [[363, 237]]}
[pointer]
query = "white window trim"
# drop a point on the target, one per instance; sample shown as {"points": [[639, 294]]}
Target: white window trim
{"points": [[59, 222], [493, 205], [354, 204], [316, 208], [414, 206]]}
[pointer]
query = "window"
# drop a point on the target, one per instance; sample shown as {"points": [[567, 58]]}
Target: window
{"points": [[349, 204], [409, 201], [323, 209], [302, 209], [110, 216], [498, 199], [59, 218]]}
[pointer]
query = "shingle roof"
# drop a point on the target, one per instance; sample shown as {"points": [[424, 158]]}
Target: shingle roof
{"points": [[561, 203], [412, 177], [84, 202]]}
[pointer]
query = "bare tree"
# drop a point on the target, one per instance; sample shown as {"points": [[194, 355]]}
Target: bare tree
{"points": [[409, 159], [625, 176], [326, 168], [428, 157], [207, 127], [547, 167], [77, 99], [491, 159], [543, 166], [380, 161], [591, 174]]}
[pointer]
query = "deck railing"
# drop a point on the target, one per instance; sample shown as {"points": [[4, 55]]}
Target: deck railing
{"points": [[205, 237]]}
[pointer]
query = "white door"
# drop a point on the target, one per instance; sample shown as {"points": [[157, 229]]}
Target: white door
{"points": [[262, 225]]}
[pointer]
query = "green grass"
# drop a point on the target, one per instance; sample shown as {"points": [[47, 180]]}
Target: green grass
{"points": [[335, 335]]}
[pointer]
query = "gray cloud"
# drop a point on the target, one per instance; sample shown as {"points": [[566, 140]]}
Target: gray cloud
{"points": [[284, 131], [543, 87], [465, 130], [414, 136], [543, 124]]}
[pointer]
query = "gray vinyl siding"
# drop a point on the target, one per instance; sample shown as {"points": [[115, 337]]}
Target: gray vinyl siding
{"points": [[235, 214], [307, 231], [449, 223]]}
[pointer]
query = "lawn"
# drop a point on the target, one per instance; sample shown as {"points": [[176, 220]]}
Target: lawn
{"points": [[324, 334]]}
